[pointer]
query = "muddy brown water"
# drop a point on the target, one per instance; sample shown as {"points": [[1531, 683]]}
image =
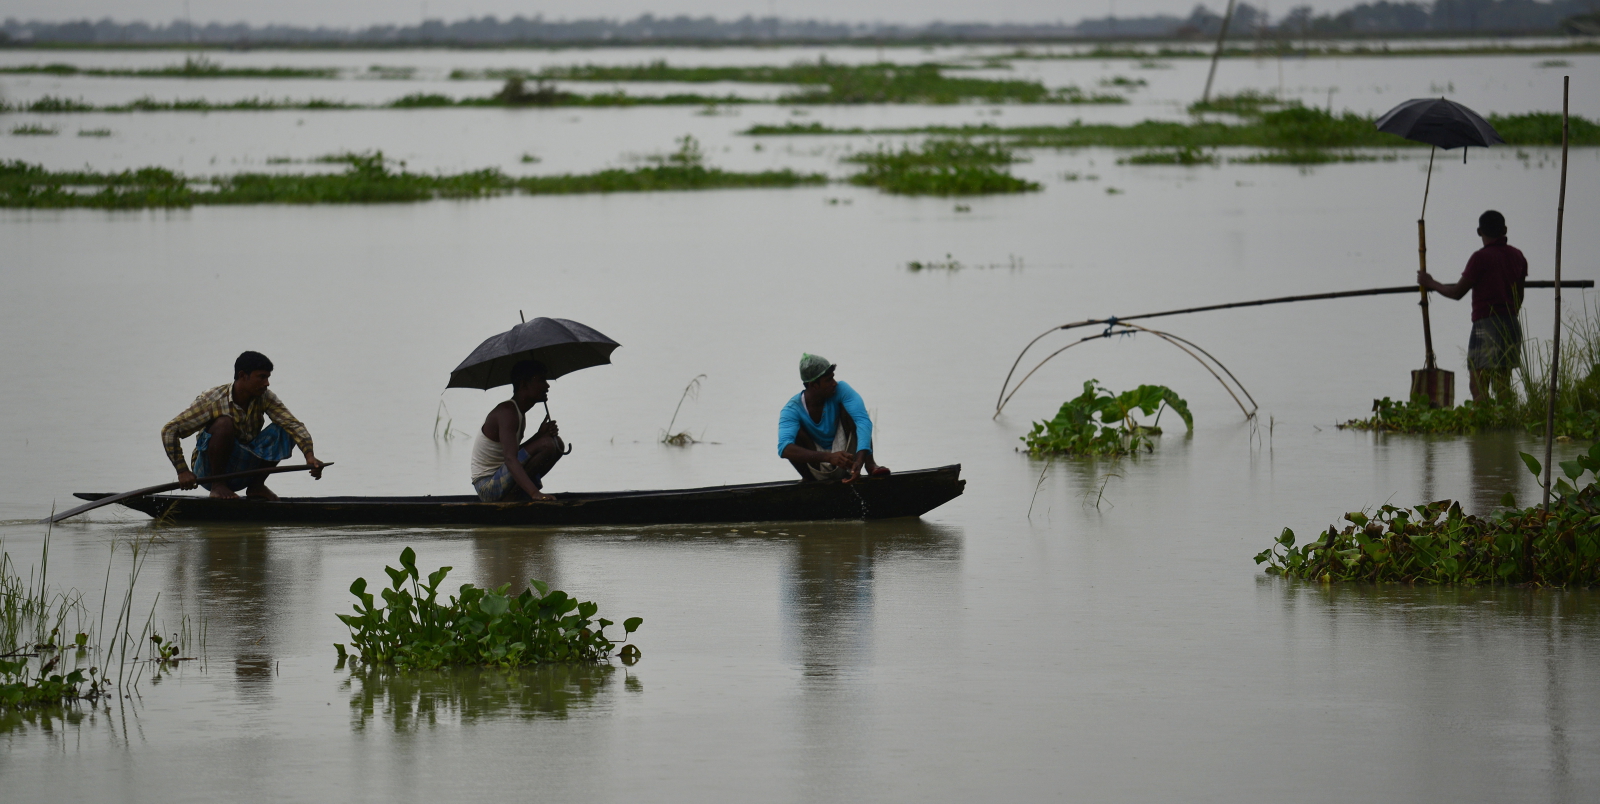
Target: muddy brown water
{"points": [[1078, 629]]}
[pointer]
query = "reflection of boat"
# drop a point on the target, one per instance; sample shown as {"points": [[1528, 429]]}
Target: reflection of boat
{"points": [[899, 495]]}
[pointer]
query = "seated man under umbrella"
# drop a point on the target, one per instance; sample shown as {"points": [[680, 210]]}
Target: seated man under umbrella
{"points": [[505, 467], [824, 431]]}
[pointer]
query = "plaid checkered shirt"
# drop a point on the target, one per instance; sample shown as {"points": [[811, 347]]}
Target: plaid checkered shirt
{"points": [[218, 402]]}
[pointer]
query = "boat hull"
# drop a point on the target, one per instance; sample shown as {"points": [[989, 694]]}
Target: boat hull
{"points": [[906, 494]]}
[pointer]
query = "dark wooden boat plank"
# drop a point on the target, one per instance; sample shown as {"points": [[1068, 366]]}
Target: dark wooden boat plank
{"points": [[901, 495]]}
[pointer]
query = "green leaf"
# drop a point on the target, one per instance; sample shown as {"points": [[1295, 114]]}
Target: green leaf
{"points": [[1533, 464], [408, 558], [544, 588], [1286, 538], [1572, 469], [494, 605], [1508, 500], [632, 624]]}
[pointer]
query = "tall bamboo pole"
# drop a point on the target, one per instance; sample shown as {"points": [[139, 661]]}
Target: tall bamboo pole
{"points": [[1555, 341], [1217, 54], [1422, 260]]}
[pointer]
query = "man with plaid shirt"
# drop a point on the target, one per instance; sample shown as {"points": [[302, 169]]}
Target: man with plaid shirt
{"points": [[228, 419]]}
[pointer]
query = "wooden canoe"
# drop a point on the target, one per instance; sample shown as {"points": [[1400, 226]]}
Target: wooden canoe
{"points": [[904, 494]]}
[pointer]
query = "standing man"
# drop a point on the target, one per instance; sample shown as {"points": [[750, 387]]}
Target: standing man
{"points": [[824, 431], [1497, 275], [228, 419], [504, 467]]}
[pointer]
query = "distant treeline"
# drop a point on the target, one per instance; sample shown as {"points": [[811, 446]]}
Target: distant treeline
{"points": [[1379, 18]]}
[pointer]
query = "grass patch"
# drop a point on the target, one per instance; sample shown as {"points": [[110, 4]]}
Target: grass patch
{"points": [[1294, 128], [1436, 543], [475, 628], [1099, 422], [1309, 156], [1187, 155], [94, 132], [823, 82], [1123, 82], [941, 166], [34, 130], [193, 67], [369, 180], [1524, 407]]}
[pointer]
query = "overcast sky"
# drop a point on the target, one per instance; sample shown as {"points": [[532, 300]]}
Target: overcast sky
{"points": [[345, 13]]}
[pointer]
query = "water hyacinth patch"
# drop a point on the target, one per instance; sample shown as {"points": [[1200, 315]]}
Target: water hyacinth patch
{"points": [[941, 167], [1099, 422], [1437, 543], [477, 627]]}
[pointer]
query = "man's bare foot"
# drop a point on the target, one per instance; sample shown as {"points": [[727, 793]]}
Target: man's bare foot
{"points": [[880, 471], [260, 493], [221, 491]]}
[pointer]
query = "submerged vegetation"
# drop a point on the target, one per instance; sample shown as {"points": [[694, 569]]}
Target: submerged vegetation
{"points": [[477, 627], [368, 179], [1436, 543], [941, 166], [1099, 422]]}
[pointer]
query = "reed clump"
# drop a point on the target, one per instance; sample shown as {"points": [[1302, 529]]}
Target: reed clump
{"points": [[1522, 406], [1100, 422], [415, 630], [941, 166], [1436, 543]]}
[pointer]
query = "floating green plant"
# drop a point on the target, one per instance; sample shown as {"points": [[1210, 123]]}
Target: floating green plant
{"points": [[476, 627], [1294, 127], [368, 180], [941, 166], [822, 82], [1186, 155], [94, 132], [1099, 422], [192, 67], [1436, 543], [34, 130], [1124, 82]]}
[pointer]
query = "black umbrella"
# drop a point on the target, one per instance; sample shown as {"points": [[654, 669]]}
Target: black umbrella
{"points": [[562, 346], [1442, 124], [1439, 122]]}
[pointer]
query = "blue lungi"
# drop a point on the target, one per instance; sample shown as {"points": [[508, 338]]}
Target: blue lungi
{"points": [[271, 445]]}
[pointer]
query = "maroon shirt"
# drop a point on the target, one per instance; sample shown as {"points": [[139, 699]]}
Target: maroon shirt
{"points": [[1496, 274]]}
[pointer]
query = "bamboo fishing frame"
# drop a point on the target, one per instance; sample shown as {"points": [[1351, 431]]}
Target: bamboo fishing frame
{"points": [[1130, 329], [1114, 321]]}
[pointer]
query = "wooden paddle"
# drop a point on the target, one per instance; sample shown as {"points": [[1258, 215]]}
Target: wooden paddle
{"points": [[169, 487]]}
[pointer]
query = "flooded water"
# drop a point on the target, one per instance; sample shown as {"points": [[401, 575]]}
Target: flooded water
{"points": [[1075, 629]]}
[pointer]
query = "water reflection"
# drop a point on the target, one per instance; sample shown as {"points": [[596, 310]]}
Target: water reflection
{"points": [[829, 584], [409, 701], [1496, 469], [1463, 655]]}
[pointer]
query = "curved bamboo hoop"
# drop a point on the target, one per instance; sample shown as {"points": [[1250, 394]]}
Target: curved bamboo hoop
{"points": [[1130, 329]]}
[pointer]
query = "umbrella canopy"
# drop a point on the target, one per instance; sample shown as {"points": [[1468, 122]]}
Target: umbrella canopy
{"points": [[1439, 122], [562, 346]]}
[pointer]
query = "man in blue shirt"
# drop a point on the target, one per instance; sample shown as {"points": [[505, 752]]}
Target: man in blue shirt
{"points": [[824, 430]]}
